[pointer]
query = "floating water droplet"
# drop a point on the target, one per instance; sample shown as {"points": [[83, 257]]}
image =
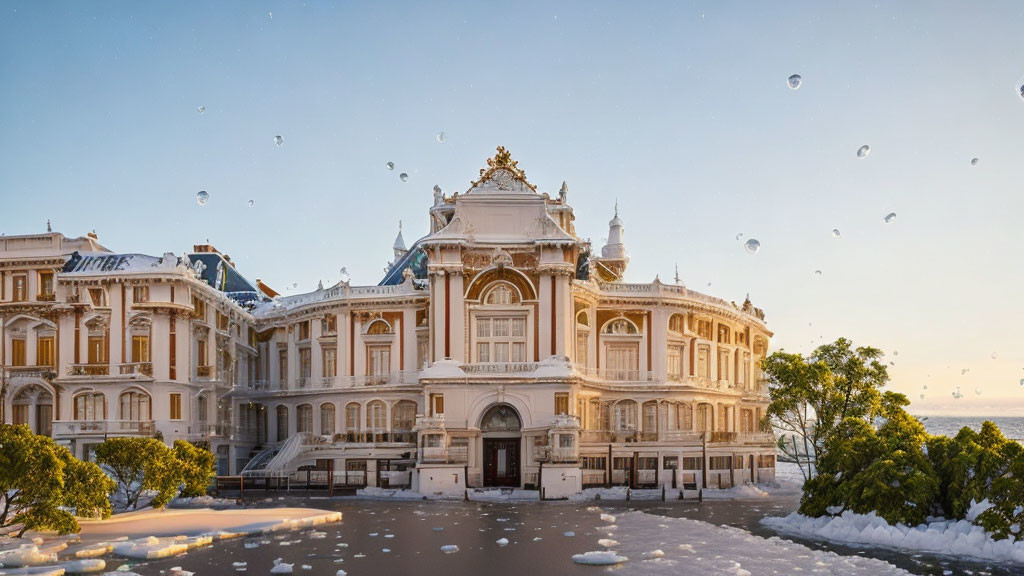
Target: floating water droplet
{"points": [[201, 109], [922, 396], [202, 198], [863, 151], [994, 355], [709, 284], [441, 137], [738, 236], [279, 140], [817, 272], [1022, 381], [390, 165], [835, 233], [963, 371], [752, 246], [925, 387], [977, 390], [974, 161], [890, 217], [895, 352], [892, 363], [403, 176], [251, 203], [1020, 88], [437, 189], [794, 81], [270, 15]]}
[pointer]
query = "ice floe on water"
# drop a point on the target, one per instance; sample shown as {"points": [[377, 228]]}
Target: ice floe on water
{"points": [[501, 541], [599, 558], [722, 549], [449, 548], [281, 568], [954, 538]]}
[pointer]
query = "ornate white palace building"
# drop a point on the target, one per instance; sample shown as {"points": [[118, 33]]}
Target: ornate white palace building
{"points": [[498, 350]]}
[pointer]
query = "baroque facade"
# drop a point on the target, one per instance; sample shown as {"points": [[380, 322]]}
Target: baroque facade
{"points": [[498, 350]]}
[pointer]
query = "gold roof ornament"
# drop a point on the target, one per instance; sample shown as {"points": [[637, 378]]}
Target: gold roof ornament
{"points": [[502, 168]]}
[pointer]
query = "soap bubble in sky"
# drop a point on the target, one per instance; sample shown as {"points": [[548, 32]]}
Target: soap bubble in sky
{"points": [[863, 151], [752, 246], [202, 197], [794, 81]]}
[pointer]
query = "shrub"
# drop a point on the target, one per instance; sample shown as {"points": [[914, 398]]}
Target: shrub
{"points": [[197, 465]]}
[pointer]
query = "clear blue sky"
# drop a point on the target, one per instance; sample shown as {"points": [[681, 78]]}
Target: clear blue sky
{"points": [[680, 111]]}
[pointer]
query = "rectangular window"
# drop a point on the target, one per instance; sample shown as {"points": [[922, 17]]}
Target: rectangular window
{"points": [[20, 414], [703, 362], [175, 407], [501, 351], [483, 352], [723, 365], [202, 349], [201, 408], [173, 345], [306, 362], [379, 361], [140, 348], [670, 462], [581, 348], [46, 284], [330, 324], [282, 365], [199, 308], [20, 287], [501, 327], [593, 462], [97, 350], [222, 322], [623, 362], [675, 361], [519, 327], [18, 352], [421, 353], [140, 294], [483, 327], [436, 404], [304, 330], [720, 462], [44, 351], [561, 403], [691, 463], [519, 352], [330, 362]]}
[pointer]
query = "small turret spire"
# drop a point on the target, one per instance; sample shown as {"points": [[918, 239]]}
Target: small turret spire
{"points": [[677, 273], [48, 229]]}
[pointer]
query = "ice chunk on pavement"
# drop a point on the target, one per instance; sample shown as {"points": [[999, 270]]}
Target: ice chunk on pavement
{"points": [[569, 533], [26, 555], [599, 558], [86, 566], [281, 567], [607, 517], [341, 573], [501, 541], [608, 542], [655, 554], [449, 548]]}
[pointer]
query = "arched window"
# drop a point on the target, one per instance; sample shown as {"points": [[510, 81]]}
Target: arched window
{"points": [[502, 294], [377, 417], [620, 326], [582, 318], [501, 418], [500, 335], [705, 418], [90, 406], [403, 418], [304, 418], [625, 415], [282, 423], [675, 323], [379, 327], [651, 417], [582, 337], [327, 419], [136, 406], [352, 421]]}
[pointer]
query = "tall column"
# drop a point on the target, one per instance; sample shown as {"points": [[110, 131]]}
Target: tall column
{"points": [[564, 321], [409, 333], [544, 310], [456, 317], [437, 305]]}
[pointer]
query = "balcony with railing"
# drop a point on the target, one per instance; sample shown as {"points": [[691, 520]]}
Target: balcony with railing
{"points": [[444, 455], [88, 369], [43, 372], [613, 374], [135, 369], [104, 427], [500, 368], [557, 454]]}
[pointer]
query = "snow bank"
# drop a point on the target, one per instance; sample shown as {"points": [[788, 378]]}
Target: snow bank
{"points": [[499, 495], [203, 502], [727, 550], [954, 538], [745, 491], [152, 548]]}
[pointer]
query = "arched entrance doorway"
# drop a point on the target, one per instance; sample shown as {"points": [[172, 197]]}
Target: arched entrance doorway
{"points": [[501, 428], [33, 405]]}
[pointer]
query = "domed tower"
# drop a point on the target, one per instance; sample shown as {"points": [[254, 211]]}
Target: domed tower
{"points": [[612, 263]]}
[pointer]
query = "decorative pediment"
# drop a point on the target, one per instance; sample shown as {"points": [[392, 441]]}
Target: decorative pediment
{"points": [[503, 174]]}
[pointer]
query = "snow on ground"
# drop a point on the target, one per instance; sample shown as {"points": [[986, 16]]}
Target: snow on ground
{"points": [[954, 538], [388, 493], [499, 495], [723, 550], [203, 502]]}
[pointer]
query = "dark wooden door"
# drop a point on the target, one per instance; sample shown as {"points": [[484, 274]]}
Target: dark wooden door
{"points": [[501, 462]]}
